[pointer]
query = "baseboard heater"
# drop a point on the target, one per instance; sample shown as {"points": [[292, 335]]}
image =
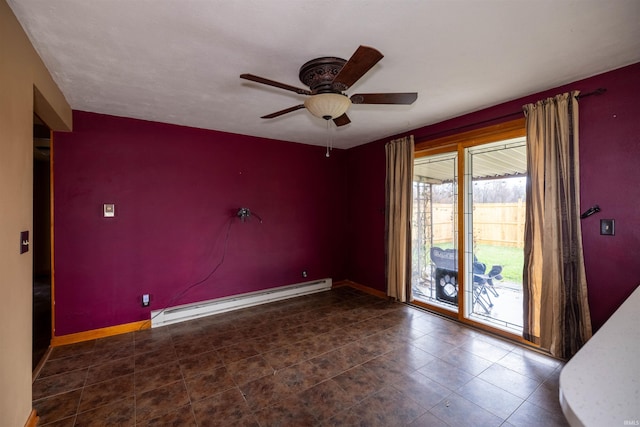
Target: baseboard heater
{"points": [[196, 310]]}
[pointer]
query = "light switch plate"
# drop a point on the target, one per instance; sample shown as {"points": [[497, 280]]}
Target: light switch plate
{"points": [[24, 241], [109, 210], [607, 227]]}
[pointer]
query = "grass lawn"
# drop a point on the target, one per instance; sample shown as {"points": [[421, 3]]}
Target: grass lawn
{"points": [[511, 259]]}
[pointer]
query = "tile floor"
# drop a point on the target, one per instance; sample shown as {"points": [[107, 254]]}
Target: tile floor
{"points": [[337, 358]]}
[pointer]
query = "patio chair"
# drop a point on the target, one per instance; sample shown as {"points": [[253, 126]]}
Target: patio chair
{"points": [[445, 262], [483, 286]]}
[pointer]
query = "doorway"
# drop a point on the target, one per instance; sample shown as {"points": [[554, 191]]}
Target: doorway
{"points": [[468, 230], [41, 241]]}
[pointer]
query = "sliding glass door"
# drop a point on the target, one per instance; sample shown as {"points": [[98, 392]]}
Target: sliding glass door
{"points": [[468, 229]]}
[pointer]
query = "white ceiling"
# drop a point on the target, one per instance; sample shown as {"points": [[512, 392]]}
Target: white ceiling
{"points": [[179, 61]]}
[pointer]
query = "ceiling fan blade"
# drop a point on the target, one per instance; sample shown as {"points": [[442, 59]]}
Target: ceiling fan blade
{"points": [[384, 98], [360, 62], [342, 120], [281, 112], [268, 82]]}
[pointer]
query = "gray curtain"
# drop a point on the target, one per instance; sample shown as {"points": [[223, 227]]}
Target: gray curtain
{"points": [[556, 308], [399, 198]]}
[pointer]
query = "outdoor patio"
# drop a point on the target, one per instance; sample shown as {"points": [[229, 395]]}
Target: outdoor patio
{"points": [[506, 312]]}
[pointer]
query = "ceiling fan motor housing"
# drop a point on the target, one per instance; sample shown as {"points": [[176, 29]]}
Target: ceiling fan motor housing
{"points": [[319, 74]]}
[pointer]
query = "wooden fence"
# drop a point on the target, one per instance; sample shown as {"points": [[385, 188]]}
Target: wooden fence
{"points": [[497, 224]]}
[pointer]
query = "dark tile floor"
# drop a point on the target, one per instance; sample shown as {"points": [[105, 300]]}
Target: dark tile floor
{"points": [[337, 358]]}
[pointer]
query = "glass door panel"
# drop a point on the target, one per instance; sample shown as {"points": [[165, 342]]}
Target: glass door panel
{"points": [[435, 231], [495, 179]]}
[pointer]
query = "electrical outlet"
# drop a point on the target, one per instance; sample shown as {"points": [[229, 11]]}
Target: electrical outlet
{"points": [[145, 300], [304, 273]]}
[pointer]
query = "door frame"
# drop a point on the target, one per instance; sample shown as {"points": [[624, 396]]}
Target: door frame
{"points": [[52, 237], [459, 142]]}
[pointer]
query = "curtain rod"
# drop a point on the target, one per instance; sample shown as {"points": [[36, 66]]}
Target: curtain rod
{"points": [[598, 91]]}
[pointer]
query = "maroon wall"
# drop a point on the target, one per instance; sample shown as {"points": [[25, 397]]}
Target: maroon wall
{"points": [[176, 192], [609, 176], [366, 206], [177, 189]]}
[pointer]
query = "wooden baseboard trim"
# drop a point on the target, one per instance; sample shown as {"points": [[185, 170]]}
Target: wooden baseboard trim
{"points": [[100, 333], [33, 419], [40, 365], [340, 283], [363, 288]]}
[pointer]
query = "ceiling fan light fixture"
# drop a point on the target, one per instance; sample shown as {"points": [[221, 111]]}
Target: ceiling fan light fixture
{"points": [[327, 105]]}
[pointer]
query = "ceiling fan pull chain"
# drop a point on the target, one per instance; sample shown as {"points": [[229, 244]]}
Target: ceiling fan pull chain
{"points": [[328, 135]]}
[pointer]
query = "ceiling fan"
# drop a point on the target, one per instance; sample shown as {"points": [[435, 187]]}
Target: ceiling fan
{"points": [[328, 78]]}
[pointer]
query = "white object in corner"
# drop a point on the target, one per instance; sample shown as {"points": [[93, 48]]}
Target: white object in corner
{"points": [[600, 385], [196, 310]]}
